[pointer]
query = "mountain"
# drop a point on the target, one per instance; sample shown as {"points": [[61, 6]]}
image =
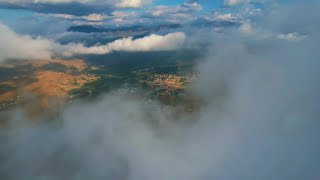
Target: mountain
{"points": [[130, 29], [86, 29], [214, 24], [140, 30]]}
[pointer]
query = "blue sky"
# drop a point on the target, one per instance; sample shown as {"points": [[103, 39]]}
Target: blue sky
{"points": [[22, 9], [22, 16], [208, 5], [10, 16]]}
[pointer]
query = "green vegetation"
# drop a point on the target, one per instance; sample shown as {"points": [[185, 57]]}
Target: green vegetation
{"points": [[55, 67], [138, 71]]}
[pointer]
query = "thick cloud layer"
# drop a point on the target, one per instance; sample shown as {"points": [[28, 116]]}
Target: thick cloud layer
{"points": [[74, 7], [260, 122]]}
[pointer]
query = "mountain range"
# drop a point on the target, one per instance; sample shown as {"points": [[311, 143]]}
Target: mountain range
{"points": [[138, 29]]}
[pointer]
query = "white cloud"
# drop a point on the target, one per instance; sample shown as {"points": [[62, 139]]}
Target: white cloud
{"points": [[94, 17], [153, 42], [176, 14], [90, 17], [222, 17], [240, 2], [246, 28], [73, 7], [115, 18], [238, 10], [122, 14], [15, 46], [61, 1], [234, 2], [132, 3], [48, 1], [62, 16], [184, 8], [116, 3], [194, 6], [291, 36]]}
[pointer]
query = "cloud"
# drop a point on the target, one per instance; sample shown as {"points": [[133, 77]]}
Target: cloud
{"points": [[72, 7], [132, 3], [256, 107], [120, 18], [259, 120], [46, 1], [116, 18], [235, 2], [15, 46], [241, 13], [175, 14], [78, 8], [246, 28], [241, 2], [221, 16], [167, 10], [153, 42], [94, 17], [291, 36], [88, 18]]}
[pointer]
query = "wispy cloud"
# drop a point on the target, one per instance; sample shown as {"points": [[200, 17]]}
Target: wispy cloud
{"points": [[177, 14], [15, 46], [132, 3], [235, 2]]}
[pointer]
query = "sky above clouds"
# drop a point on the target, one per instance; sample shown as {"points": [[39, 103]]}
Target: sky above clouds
{"points": [[124, 12], [48, 20], [107, 12]]}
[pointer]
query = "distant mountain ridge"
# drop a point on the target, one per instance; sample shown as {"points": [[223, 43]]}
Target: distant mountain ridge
{"points": [[214, 24], [138, 29], [105, 35], [100, 29]]}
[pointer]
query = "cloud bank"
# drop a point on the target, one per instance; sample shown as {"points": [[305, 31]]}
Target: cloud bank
{"points": [[72, 7], [260, 121], [15, 46], [172, 41], [78, 8]]}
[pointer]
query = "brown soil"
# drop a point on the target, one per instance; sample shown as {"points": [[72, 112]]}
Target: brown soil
{"points": [[39, 88], [169, 81], [57, 84], [8, 95]]}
